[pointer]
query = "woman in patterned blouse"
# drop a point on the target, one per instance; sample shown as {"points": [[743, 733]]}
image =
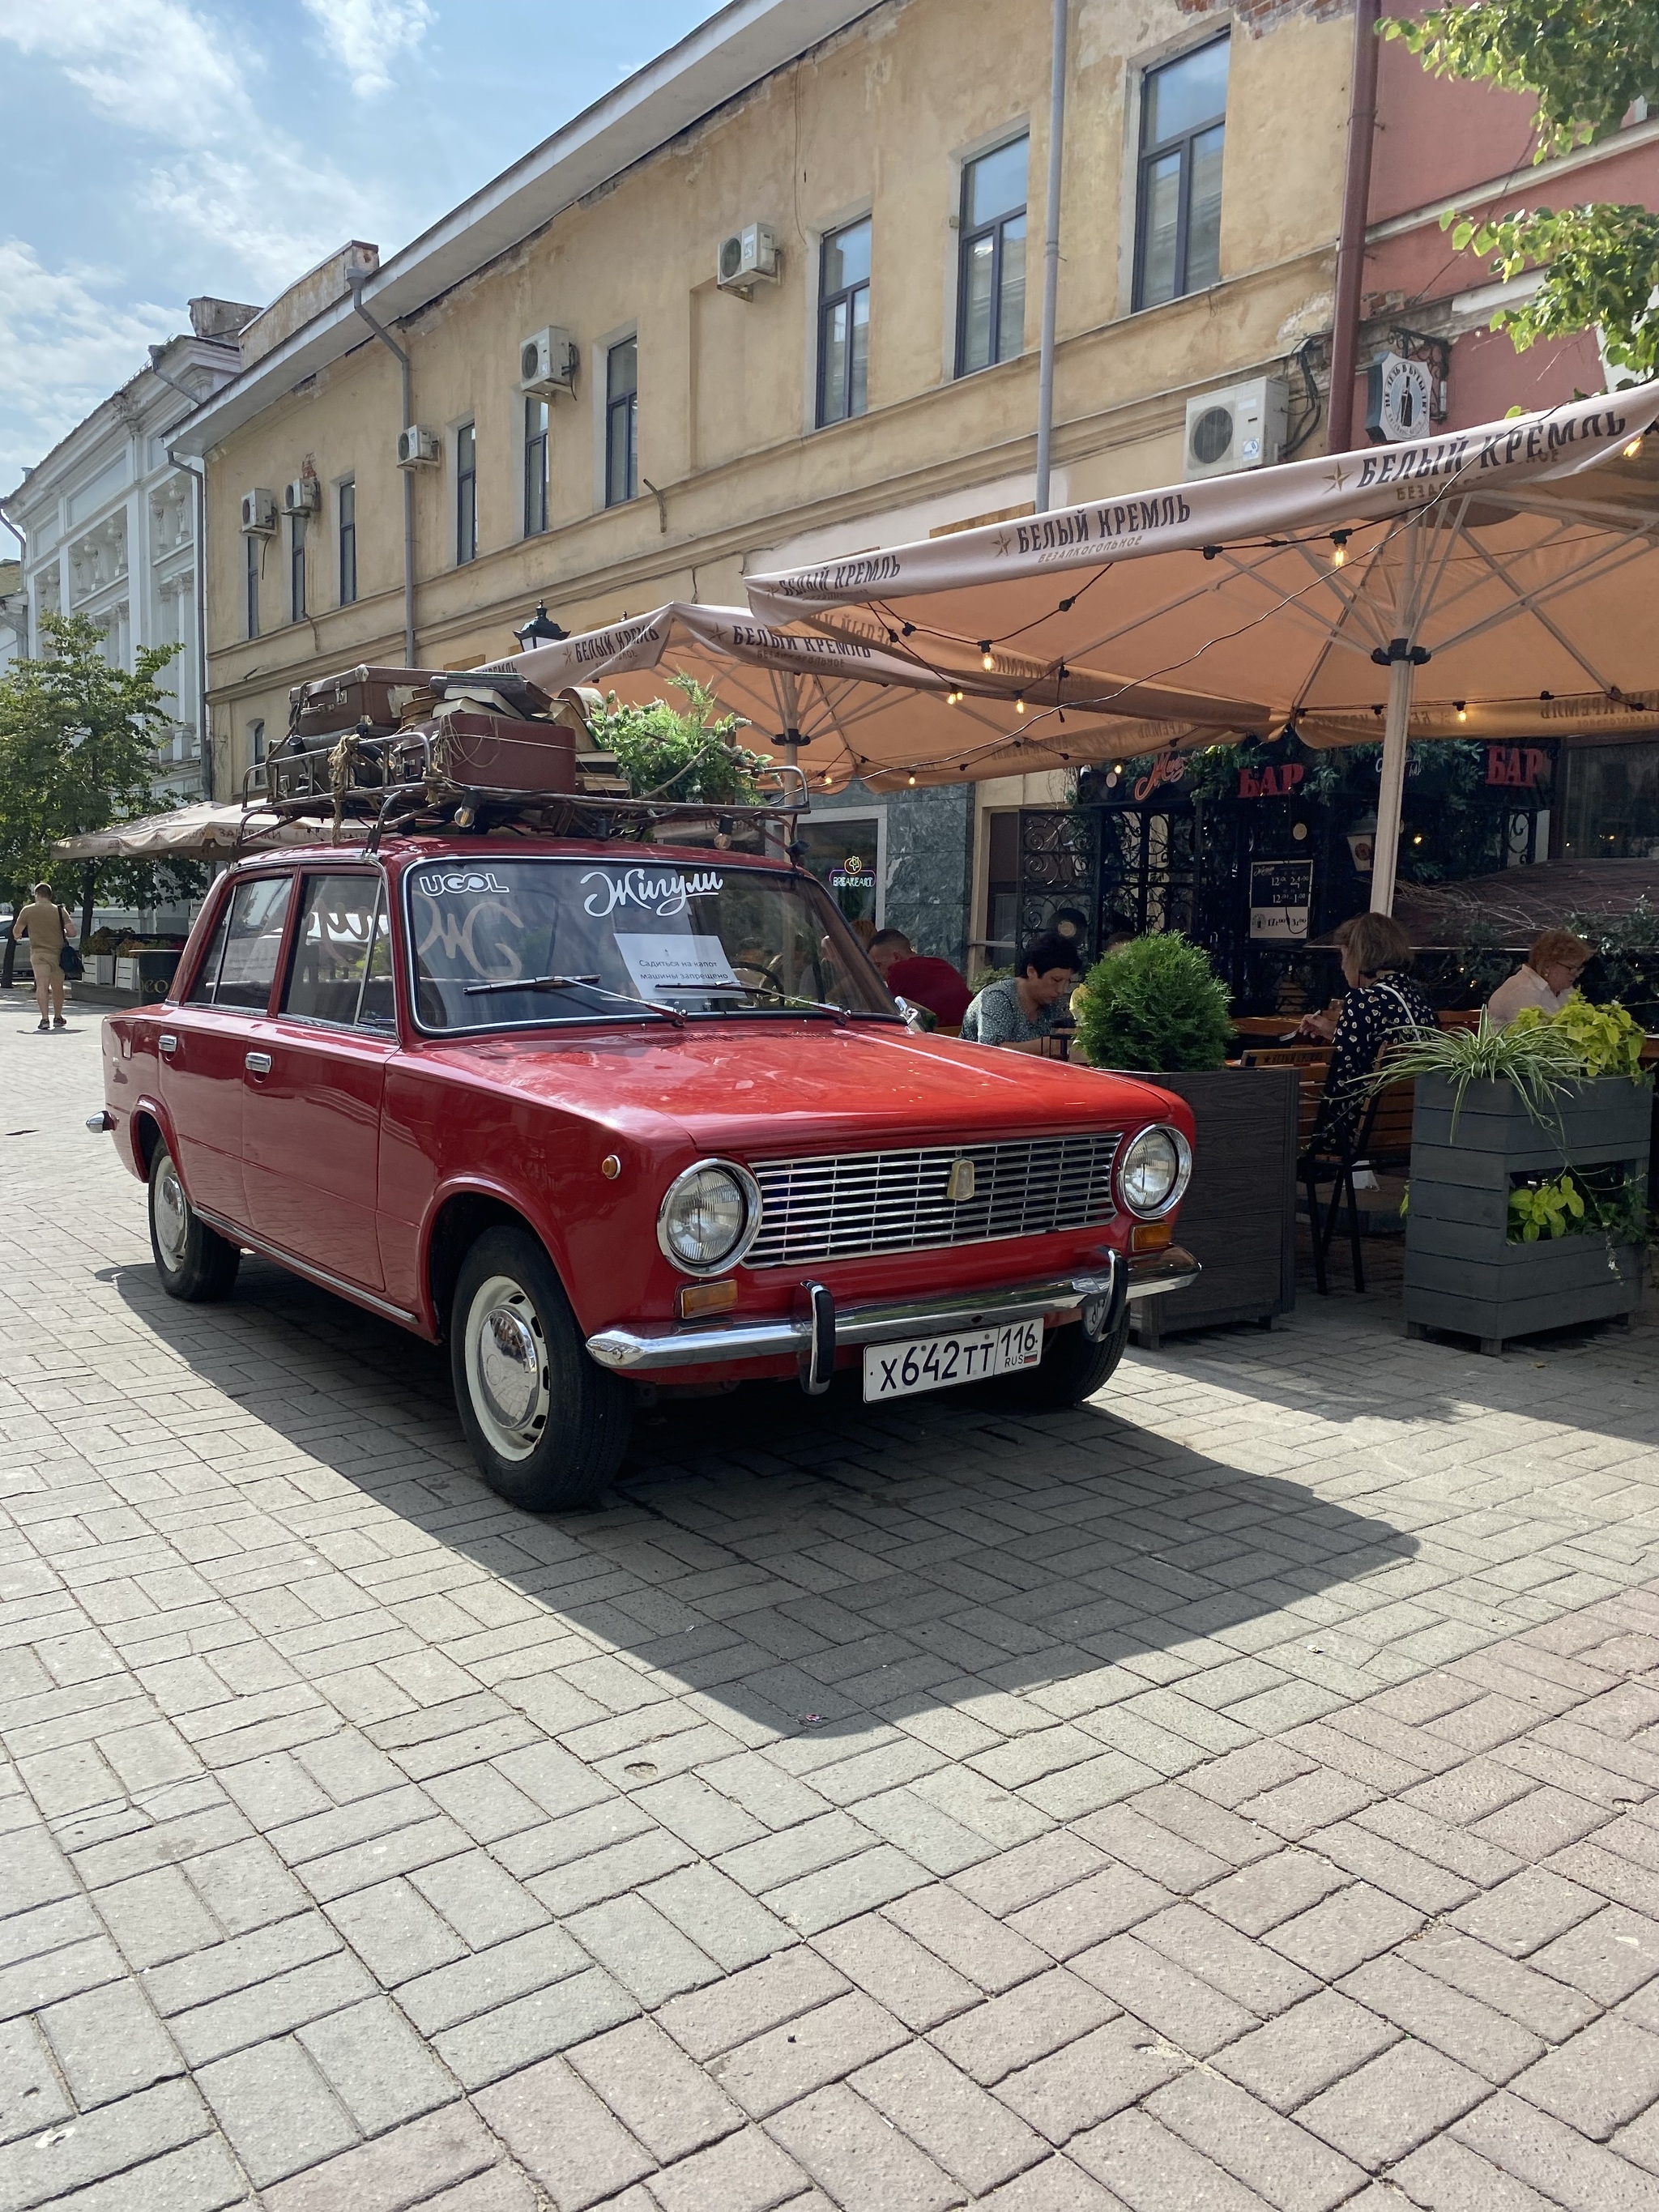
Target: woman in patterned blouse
{"points": [[1382, 1005], [1022, 1011]]}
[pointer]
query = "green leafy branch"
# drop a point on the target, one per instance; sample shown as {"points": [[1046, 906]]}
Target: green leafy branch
{"points": [[1601, 264], [1587, 63]]}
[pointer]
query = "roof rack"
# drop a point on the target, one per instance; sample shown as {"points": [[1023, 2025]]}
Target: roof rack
{"points": [[401, 784]]}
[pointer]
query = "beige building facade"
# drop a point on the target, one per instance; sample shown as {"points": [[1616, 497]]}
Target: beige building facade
{"points": [[877, 379]]}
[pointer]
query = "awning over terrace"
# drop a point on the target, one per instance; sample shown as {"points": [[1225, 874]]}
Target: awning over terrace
{"points": [[1503, 574], [854, 705]]}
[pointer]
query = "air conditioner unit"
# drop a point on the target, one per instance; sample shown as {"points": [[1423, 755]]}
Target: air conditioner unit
{"points": [[547, 364], [1241, 428], [418, 449], [749, 257], [303, 496], [259, 513]]}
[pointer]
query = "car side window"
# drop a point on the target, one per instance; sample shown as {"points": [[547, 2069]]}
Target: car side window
{"points": [[252, 943], [201, 992], [342, 971]]}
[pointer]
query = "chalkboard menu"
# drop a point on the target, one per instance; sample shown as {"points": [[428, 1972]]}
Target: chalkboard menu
{"points": [[1281, 893]]}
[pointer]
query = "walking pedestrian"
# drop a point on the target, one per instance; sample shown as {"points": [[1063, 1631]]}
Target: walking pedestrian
{"points": [[47, 927]]}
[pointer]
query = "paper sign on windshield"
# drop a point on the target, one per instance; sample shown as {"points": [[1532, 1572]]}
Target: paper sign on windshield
{"points": [[674, 963]]}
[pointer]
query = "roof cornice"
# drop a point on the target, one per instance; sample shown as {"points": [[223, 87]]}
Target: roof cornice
{"points": [[745, 42]]}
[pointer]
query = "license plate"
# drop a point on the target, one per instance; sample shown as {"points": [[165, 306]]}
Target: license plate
{"points": [[934, 1362]]}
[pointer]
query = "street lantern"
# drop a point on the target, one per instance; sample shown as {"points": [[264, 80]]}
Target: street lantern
{"points": [[540, 629]]}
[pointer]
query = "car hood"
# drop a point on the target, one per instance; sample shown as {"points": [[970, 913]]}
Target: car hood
{"points": [[764, 1087]]}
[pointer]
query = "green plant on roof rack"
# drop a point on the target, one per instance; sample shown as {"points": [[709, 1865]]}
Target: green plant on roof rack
{"points": [[683, 756]]}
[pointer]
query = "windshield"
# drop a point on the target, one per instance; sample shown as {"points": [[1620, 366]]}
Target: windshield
{"points": [[528, 943]]}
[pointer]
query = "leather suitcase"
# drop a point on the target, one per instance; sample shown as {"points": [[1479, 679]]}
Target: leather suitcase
{"points": [[378, 696], [497, 752]]}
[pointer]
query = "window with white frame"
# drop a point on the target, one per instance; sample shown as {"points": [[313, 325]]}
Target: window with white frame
{"points": [[348, 498], [535, 467]]}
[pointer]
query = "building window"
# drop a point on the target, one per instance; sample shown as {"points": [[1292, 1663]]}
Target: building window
{"points": [[535, 467], [466, 493], [1178, 205], [256, 743], [622, 423], [991, 282], [297, 568], [844, 323], [253, 544], [347, 542]]}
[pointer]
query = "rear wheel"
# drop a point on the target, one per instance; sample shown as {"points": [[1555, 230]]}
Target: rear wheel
{"points": [[194, 1262], [1073, 1366], [547, 1425]]}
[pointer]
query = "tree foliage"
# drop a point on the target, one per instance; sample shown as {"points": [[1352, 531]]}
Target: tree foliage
{"points": [[78, 744], [1587, 63]]}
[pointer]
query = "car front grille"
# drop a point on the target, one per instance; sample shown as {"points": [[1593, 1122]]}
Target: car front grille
{"points": [[849, 1206]]}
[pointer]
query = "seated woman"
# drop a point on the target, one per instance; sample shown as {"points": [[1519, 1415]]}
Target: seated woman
{"points": [[1024, 1010], [1382, 1005], [1547, 981]]}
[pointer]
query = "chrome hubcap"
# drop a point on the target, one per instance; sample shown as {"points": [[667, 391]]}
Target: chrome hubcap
{"points": [[172, 1215], [507, 1367]]}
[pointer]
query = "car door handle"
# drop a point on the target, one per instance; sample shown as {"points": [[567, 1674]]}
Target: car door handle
{"points": [[258, 1063], [166, 1042]]}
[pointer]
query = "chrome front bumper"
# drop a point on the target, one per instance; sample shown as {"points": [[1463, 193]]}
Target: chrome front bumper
{"points": [[814, 1335]]}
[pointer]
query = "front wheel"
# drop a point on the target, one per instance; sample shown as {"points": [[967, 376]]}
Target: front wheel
{"points": [[1073, 1366], [194, 1262], [547, 1425]]}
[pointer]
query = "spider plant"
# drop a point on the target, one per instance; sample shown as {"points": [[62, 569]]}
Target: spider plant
{"points": [[1543, 1063]]}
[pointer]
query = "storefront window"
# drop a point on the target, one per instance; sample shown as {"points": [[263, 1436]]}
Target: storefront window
{"points": [[844, 855], [1613, 804]]}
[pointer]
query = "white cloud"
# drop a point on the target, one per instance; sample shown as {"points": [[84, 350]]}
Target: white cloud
{"points": [[66, 346], [278, 211], [155, 65], [367, 36]]}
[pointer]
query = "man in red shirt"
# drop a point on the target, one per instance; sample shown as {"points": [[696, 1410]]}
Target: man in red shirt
{"points": [[919, 977]]}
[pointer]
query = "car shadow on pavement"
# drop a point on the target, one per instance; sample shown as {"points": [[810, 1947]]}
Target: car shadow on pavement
{"points": [[807, 1565]]}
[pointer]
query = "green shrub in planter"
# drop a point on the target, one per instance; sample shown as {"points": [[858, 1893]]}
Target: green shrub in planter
{"points": [[1156, 1004]]}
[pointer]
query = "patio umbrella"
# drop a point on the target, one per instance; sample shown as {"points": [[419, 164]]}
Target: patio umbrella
{"points": [[1515, 562], [856, 707], [199, 832]]}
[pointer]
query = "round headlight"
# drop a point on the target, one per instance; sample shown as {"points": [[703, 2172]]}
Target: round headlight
{"points": [[708, 1217], [1154, 1170]]}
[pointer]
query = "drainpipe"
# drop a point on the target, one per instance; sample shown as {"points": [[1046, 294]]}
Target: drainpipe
{"points": [[1051, 257], [1351, 244], [198, 499], [355, 281]]}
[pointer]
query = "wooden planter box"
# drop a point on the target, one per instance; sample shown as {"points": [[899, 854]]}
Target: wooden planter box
{"points": [[1462, 1271], [1239, 1217]]}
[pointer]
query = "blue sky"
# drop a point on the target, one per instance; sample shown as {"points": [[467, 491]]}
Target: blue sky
{"points": [[153, 149]]}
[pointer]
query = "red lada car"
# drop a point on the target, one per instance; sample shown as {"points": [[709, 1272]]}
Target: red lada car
{"points": [[604, 1115]]}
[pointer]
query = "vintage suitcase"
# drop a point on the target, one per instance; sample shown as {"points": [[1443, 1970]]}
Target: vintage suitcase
{"points": [[497, 752], [380, 696]]}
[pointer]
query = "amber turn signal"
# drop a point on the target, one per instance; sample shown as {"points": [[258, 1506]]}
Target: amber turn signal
{"points": [[1151, 1236], [695, 1298], [610, 1167]]}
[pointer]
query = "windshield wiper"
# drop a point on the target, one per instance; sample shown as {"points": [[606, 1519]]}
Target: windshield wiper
{"points": [[573, 983], [774, 994]]}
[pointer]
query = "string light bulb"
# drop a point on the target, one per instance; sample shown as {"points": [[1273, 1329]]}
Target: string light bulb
{"points": [[1020, 706], [1632, 449], [913, 779], [1340, 546], [1462, 711], [987, 657], [953, 698]]}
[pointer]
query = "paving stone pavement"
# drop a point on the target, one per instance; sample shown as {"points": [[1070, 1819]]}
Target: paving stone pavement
{"points": [[1242, 1791]]}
